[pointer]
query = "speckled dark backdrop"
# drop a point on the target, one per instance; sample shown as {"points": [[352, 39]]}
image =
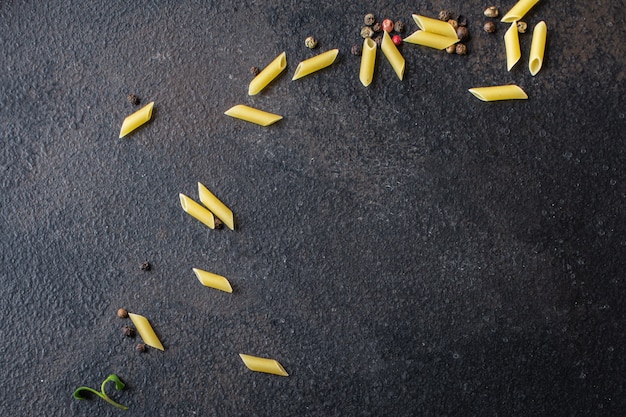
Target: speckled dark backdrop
{"points": [[403, 249]]}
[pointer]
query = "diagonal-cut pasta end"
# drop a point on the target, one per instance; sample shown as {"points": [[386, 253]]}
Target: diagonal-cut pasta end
{"points": [[534, 66]]}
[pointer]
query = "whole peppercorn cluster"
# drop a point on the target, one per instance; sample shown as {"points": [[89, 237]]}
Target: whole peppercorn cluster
{"points": [[460, 25], [373, 29]]}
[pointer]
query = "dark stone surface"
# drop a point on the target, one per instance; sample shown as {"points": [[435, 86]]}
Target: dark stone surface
{"points": [[402, 249]]}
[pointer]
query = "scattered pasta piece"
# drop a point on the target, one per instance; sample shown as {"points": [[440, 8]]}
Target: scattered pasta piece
{"points": [[537, 47], [432, 40], [145, 331], [394, 56], [436, 26], [209, 279], [214, 205], [252, 115], [314, 64], [518, 11], [368, 61], [269, 366], [196, 210], [266, 76], [136, 119], [499, 92], [511, 42]]}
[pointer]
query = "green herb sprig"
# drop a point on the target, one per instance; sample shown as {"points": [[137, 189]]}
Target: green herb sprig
{"points": [[119, 385]]}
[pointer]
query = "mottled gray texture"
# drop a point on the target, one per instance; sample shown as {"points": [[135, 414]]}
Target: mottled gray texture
{"points": [[402, 249]]}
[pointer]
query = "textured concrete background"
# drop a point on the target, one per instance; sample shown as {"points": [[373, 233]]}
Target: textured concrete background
{"points": [[402, 249]]}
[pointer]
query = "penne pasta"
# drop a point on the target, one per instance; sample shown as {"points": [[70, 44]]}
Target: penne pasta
{"points": [[511, 43], [266, 76], [136, 119], [252, 115], [316, 63], [209, 279], [214, 205], [431, 40], [436, 26], [519, 10], [269, 366], [394, 56], [499, 92], [145, 331], [197, 211], [368, 61], [537, 47]]}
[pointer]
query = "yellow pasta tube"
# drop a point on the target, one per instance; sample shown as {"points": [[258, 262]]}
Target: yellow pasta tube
{"points": [[136, 119], [145, 331], [439, 27], [499, 92], [511, 43], [252, 115], [394, 56], [209, 279], [197, 211], [316, 63], [368, 59], [269, 366], [218, 208], [431, 40], [266, 76], [519, 10], [537, 47]]}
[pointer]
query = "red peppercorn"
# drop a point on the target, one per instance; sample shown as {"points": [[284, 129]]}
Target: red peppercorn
{"points": [[388, 25], [397, 40]]}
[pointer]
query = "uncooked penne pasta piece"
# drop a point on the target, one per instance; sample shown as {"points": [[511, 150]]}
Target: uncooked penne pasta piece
{"points": [[431, 40], [519, 10], [269, 366], [145, 331], [439, 27], [368, 61], [197, 211], [537, 47], [136, 119], [394, 56], [511, 43], [499, 92], [316, 63], [214, 205], [209, 279], [250, 114], [266, 76]]}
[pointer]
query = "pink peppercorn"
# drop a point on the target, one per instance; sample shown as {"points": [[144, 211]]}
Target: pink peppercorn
{"points": [[397, 40], [388, 25]]}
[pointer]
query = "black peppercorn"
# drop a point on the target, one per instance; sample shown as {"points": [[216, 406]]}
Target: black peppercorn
{"points": [[254, 71], [133, 99], [218, 223], [378, 40], [462, 33], [462, 20], [141, 347], [445, 15], [377, 27], [398, 26], [489, 27], [128, 331], [356, 50], [145, 266]]}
